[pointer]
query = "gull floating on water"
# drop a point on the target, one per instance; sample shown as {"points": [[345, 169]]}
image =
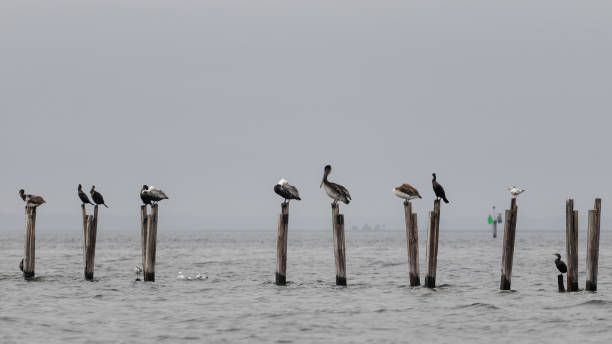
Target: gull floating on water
{"points": [[286, 191], [516, 191], [438, 189], [335, 191], [407, 192]]}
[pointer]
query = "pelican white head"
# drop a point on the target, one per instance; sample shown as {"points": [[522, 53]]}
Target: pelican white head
{"points": [[283, 182]]}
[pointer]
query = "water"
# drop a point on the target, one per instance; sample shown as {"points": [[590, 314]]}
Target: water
{"points": [[239, 302]]}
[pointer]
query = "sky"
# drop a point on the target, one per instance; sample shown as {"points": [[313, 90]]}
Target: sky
{"points": [[215, 101]]}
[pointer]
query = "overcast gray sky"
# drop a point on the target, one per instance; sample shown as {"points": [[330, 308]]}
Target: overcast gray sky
{"points": [[215, 101]]}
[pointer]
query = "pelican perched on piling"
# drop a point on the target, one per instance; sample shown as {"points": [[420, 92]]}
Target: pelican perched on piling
{"points": [[151, 194], [516, 191], [335, 191], [83, 195], [287, 191], [438, 189], [407, 192], [96, 196], [32, 201]]}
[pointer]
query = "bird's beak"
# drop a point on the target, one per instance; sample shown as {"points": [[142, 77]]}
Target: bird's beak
{"points": [[320, 186]]}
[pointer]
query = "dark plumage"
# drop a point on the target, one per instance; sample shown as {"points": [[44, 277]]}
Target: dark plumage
{"points": [[286, 191], [438, 189], [144, 196], [151, 194], [96, 196], [560, 264], [83, 196], [21, 265]]}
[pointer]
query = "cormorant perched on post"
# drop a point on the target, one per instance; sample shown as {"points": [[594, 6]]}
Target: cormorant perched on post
{"points": [[96, 196], [83, 196], [335, 191], [407, 192], [438, 189], [286, 191], [151, 194], [31, 200], [560, 264]]}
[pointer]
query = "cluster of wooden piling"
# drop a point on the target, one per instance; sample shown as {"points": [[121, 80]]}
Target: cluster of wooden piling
{"points": [[90, 230], [148, 239]]}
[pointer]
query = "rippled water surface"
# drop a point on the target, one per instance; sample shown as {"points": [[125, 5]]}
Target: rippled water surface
{"points": [[239, 302]]}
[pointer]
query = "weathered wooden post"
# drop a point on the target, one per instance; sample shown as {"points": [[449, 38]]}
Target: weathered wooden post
{"points": [[339, 249], [90, 230], [593, 246], [281, 245], [144, 226], [571, 245], [508, 245], [149, 267], [29, 246], [412, 244], [432, 245]]}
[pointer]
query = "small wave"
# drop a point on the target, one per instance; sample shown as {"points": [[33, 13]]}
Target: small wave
{"points": [[478, 305]]}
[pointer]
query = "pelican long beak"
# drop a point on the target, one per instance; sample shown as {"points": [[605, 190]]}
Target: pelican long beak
{"points": [[320, 186]]}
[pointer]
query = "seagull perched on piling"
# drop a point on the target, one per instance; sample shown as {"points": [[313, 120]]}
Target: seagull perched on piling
{"points": [[515, 191], [151, 195], [32, 201], [335, 191], [287, 191], [438, 189], [96, 196], [407, 192], [560, 264], [83, 196]]}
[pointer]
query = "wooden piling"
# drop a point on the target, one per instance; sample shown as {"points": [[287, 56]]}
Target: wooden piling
{"points": [[29, 246], [432, 245], [281, 245], [339, 248], [149, 267], [144, 223], [91, 231], [571, 245], [412, 244], [508, 245], [560, 283], [84, 225], [592, 260]]}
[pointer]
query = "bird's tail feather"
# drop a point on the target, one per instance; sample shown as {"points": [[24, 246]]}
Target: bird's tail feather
{"points": [[107, 206], [445, 200]]}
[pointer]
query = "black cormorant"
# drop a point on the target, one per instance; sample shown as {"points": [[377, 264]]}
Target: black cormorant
{"points": [[560, 264], [438, 189], [83, 196], [96, 196]]}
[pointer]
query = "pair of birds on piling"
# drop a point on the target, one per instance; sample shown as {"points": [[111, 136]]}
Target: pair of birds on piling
{"points": [[408, 192], [95, 196], [335, 191]]}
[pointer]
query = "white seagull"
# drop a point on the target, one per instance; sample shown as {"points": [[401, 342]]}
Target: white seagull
{"points": [[515, 191]]}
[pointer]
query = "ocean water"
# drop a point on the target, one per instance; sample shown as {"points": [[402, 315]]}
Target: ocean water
{"points": [[239, 303]]}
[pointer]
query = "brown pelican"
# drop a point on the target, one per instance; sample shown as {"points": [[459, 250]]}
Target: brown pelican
{"points": [[96, 196], [438, 189], [31, 200], [151, 194], [335, 191], [83, 196], [560, 264], [286, 191], [515, 191], [406, 191]]}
